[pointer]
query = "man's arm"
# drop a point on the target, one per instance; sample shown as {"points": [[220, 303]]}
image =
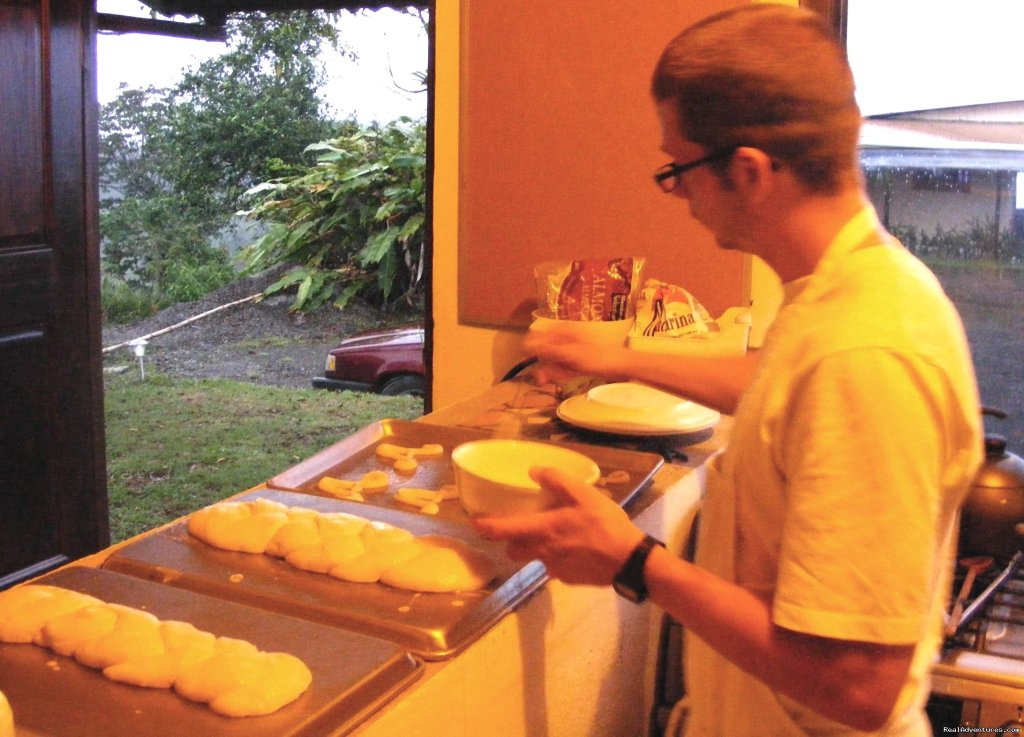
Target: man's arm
{"points": [[589, 537], [854, 683], [714, 382]]}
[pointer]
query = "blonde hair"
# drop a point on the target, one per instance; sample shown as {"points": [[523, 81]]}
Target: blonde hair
{"points": [[768, 76]]}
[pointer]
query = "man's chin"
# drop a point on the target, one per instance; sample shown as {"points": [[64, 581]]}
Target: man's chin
{"points": [[727, 245]]}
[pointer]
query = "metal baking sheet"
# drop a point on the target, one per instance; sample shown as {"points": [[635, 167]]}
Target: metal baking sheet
{"points": [[431, 625], [350, 459], [353, 675]]}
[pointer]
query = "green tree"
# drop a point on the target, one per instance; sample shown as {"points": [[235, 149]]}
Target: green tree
{"points": [[234, 120], [351, 222], [175, 162]]}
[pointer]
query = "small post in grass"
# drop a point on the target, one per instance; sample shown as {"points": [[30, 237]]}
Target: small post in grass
{"points": [[139, 347]]}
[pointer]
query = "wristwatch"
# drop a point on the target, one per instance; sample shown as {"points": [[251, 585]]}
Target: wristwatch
{"points": [[629, 581]]}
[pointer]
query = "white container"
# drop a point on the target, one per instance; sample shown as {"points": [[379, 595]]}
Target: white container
{"points": [[598, 332], [493, 475]]}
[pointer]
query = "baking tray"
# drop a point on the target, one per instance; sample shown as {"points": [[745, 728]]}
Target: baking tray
{"points": [[431, 625], [355, 456], [353, 675]]}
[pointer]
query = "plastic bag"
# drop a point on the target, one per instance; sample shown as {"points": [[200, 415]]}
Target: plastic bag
{"points": [[589, 290]]}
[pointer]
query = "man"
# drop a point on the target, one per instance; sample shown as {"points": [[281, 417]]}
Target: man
{"points": [[815, 605]]}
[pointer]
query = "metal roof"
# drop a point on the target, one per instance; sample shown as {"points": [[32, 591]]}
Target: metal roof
{"points": [[213, 12], [989, 136]]}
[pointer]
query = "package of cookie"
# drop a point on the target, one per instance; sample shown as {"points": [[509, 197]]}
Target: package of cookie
{"points": [[669, 311], [589, 289]]}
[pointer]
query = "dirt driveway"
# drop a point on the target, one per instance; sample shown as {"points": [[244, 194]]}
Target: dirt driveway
{"points": [[259, 342], [263, 343]]}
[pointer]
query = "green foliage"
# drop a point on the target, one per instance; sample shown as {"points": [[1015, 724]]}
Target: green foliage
{"points": [[239, 435], [123, 303], [237, 117], [978, 240], [174, 162], [188, 281], [351, 221], [151, 244]]}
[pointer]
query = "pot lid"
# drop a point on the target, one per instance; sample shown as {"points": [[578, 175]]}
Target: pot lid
{"points": [[1001, 468]]}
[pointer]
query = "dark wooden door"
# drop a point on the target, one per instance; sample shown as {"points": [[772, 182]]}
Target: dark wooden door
{"points": [[53, 504]]}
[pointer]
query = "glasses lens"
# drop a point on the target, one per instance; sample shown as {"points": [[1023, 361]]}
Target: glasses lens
{"points": [[667, 178]]}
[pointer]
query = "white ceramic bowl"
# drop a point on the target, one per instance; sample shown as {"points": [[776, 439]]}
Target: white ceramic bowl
{"points": [[493, 476]]}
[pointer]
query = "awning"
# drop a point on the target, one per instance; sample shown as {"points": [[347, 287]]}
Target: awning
{"points": [[975, 137], [213, 13]]}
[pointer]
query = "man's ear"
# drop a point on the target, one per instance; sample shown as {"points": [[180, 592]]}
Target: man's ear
{"points": [[752, 170]]}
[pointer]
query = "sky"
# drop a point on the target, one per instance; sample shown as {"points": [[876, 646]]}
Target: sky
{"points": [[390, 48], [907, 55], [910, 55]]}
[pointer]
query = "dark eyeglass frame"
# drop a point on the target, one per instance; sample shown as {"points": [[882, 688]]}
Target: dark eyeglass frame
{"points": [[669, 176]]}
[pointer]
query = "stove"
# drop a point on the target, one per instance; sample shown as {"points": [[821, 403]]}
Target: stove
{"points": [[978, 683]]}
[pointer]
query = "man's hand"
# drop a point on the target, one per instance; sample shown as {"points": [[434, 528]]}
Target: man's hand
{"points": [[584, 540], [563, 355]]}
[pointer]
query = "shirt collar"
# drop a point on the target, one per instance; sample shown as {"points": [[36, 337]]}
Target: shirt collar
{"points": [[857, 233]]}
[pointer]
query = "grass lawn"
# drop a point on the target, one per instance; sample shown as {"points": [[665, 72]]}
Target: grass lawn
{"points": [[175, 445], [990, 298]]}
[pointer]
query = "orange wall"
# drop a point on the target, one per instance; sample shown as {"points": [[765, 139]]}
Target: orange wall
{"points": [[545, 141], [558, 142]]}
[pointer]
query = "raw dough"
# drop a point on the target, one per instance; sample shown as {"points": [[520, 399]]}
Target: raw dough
{"points": [[239, 680], [246, 528], [373, 482], [427, 501], [133, 646], [347, 547], [27, 608], [67, 632], [184, 646], [135, 634], [403, 459], [438, 564]]}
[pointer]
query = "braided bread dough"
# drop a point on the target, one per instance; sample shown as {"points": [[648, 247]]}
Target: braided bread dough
{"points": [[343, 545], [132, 646]]}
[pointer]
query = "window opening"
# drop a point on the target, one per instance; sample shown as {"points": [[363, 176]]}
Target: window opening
{"points": [[174, 280], [943, 156]]}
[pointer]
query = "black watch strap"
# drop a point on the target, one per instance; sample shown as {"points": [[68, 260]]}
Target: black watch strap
{"points": [[629, 582]]}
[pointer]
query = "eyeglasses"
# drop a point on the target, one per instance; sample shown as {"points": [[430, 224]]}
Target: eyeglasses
{"points": [[669, 176]]}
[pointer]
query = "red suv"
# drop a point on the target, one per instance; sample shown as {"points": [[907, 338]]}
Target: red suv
{"points": [[387, 361]]}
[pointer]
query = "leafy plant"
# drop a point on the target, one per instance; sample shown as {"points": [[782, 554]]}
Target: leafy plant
{"points": [[239, 116], [352, 222], [123, 303], [977, 240], [174, 162]]}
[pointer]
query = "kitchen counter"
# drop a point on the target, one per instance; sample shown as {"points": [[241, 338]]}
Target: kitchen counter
{"points": [[568, 660], [571, 660]]}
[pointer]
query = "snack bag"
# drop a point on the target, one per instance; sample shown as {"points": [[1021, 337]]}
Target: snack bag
{"points": [[589, 290], [665, 310]]}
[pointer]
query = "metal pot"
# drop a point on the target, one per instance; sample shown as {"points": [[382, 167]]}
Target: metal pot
{"points": [[992, 517]]}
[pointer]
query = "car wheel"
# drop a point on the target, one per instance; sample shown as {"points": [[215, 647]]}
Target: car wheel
{"points": [[405, 384]]}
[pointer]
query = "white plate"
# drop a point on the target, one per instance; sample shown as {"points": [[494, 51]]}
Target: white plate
{"points": [[628, 408]]}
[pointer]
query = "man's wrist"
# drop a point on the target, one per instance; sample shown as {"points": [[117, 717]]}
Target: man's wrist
{"points": [[630, 582]]}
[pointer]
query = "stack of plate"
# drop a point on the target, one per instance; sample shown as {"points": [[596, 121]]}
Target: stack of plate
{"points": [[632, 408]]}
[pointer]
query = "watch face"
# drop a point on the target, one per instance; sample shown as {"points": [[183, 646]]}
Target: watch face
{"points": [[627, 592]]}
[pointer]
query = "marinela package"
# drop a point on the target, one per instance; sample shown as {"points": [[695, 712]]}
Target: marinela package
{"points": [[590, 289], [668, 311]]}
